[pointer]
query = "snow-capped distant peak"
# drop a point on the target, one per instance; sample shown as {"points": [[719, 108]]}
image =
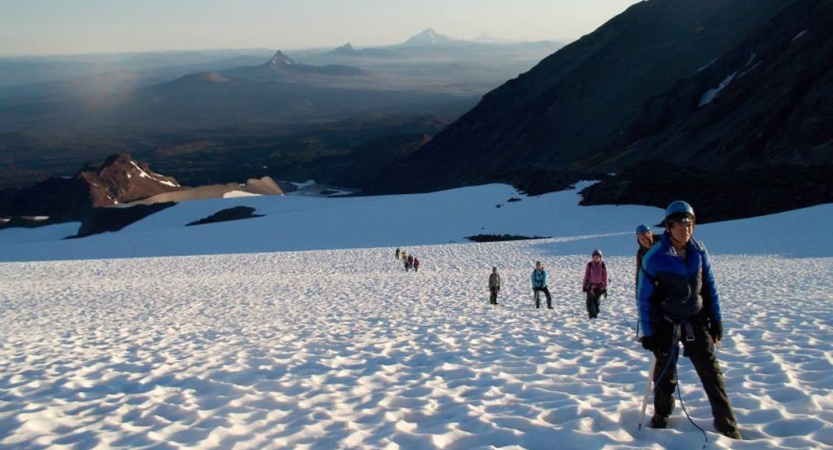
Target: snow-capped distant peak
{"points": [[429, 37]]}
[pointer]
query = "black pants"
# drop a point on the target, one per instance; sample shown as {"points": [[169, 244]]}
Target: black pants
{"points": [[594, 300], [493, 296], [537, 293], [701, 353]]}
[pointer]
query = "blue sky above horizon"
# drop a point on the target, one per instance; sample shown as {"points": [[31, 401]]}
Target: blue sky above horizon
{"points": [[51, 27]]}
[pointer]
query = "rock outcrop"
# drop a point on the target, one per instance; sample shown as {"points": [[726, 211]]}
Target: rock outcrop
{"points": [[119, 181], [122, 179]]}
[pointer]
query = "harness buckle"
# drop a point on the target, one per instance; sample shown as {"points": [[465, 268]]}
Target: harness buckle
{"points": [[689, 332]]}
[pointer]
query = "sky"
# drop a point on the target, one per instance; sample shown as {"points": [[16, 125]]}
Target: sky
{"points": [[50, 27]]}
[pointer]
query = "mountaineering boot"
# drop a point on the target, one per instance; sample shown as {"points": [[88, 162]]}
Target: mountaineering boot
{"points": [[729, 431], [733, 434], [659, 421]]}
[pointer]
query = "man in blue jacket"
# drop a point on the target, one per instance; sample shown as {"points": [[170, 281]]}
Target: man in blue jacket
{"points": [[679, 302], [539, 284]]}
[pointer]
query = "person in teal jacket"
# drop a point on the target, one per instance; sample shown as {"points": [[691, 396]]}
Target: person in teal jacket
{"points": [[539, 284], [679, 302]]}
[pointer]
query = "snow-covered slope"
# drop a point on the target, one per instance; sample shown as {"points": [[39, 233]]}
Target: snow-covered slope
{"points": [[341, 348], [304, 223]]}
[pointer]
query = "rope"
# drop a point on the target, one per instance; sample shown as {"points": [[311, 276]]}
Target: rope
{"points": [[682, 405], [672, 360]]}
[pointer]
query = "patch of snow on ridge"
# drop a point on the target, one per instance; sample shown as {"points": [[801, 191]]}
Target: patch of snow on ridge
{"points": [[306, 184], [237, 194], [144, 174], [707, 65], [799, 35], [711, 94]]}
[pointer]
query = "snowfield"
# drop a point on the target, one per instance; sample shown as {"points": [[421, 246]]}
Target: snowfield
{"points": [[326, 346]]}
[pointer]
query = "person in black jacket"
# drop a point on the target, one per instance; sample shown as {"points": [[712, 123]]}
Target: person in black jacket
{"points": [[646, 239], [679, 302]]}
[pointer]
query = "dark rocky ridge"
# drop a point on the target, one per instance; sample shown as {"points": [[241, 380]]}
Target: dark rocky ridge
{"points": [[103, 220], [227, 215], [717, 196]]}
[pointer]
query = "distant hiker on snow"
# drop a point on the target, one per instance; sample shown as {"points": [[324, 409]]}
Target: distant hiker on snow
{"points": [[416, 264], [494, 286], [409, 262], [646, 239], [595, 283], [678, 301], [539, 284], [397, 253]]}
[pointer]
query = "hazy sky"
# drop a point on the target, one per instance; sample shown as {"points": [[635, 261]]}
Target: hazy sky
{"points": [[94, 26]]}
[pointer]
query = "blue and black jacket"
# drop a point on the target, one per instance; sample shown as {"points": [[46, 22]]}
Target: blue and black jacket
{"points": [[675, 288], [539, 279]]}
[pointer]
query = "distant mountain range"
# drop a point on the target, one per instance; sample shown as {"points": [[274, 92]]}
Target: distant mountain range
{"points": [[242, 112], [677, 98]]}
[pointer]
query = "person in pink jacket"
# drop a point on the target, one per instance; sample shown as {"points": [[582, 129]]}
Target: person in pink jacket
{"points": [[595, 283]]}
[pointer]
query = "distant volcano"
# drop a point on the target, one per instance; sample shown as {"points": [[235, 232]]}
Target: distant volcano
{"points": [[429, 37]]}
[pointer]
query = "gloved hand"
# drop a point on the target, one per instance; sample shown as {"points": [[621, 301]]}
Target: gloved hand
{"points": [[649, 343], [716, 330], [584, 289], [604, 292]]}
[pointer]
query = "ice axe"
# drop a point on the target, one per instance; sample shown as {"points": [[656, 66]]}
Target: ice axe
{"points": [[647, 390]]}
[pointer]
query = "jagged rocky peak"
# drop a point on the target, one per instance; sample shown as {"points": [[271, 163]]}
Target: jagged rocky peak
{"points": [[122, 179], [281, 60]]}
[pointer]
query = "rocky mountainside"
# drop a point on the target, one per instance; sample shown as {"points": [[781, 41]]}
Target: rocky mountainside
{"points": [[715, 87], [121, 179]]}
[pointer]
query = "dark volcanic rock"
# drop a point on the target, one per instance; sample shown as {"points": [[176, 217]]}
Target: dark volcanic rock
{"points": [[61, 199], [500, 237], [226, 215], [100, 220], [717, 196]]}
